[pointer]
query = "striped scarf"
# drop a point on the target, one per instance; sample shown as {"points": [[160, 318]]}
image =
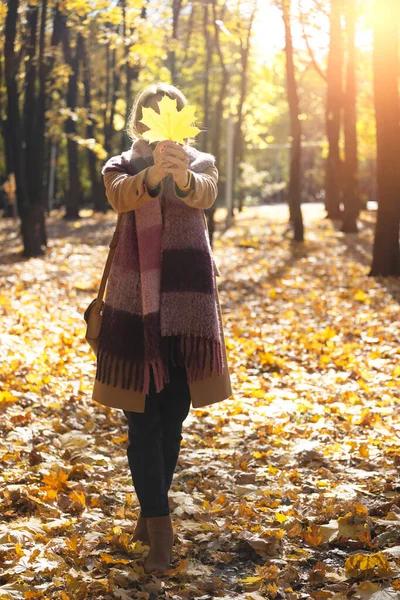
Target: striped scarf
{"points": [[160, 305]]}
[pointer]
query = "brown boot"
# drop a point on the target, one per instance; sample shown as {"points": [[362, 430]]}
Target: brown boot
{"points": [[161, 540], [141, 532]]}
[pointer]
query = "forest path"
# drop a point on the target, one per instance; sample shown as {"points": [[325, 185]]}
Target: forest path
{"points": [[279, 491]]}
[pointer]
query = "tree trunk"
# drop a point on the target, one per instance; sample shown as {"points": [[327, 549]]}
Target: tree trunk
{"points": [[127, 70], [219, 109], [3, 113], [52, 165], [350, 167], [29, 121], [176, 9], [386, 256], [219, 106], [25, 158], [238, 144], [294, 192], [41, 121], [112, 87], [98, 194], [14, 139], [107, 137], [333, 110], [189, 31], [52, 145], [131, 73], [73, 60], [32, 221], [208, 61]]}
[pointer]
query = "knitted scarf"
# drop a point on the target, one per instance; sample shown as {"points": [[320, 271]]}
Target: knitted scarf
{"points": [[160, 306]]}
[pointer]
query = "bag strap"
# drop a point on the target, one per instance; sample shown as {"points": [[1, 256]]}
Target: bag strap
{"points": [[107, 266]]}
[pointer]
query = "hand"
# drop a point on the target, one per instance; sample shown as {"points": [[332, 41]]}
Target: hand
{"points": [[176, 162], [157, 172]]}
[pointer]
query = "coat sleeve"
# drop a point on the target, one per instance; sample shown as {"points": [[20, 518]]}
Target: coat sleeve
{"points": [[128, 192], [204, 191]]}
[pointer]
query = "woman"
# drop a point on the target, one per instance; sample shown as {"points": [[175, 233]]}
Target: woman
{"points": [[161, 343]]}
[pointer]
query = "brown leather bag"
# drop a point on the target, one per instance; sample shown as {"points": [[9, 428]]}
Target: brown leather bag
{"points": [[93, 314]]}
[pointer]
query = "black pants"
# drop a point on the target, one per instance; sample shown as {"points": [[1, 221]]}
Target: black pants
{"points": [[154, 442]]}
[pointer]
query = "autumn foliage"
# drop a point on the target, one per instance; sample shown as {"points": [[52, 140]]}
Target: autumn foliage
{"points": [[289, 490]]}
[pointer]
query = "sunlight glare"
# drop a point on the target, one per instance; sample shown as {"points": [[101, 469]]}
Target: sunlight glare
{"points": [[269, 33]]}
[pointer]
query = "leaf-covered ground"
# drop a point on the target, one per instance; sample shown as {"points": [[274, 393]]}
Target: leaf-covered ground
{"points": [[289, 490]]}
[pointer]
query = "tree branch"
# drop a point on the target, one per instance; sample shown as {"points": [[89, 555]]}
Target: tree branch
{"points": [[310, 51]]}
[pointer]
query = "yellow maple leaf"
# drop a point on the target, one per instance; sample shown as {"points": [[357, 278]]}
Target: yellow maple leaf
{"points": [[358, 563], [313, 535], [280, 517], [169, 124]]}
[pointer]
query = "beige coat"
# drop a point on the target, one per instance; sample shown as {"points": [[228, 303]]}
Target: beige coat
{"points": [[125, 193]]}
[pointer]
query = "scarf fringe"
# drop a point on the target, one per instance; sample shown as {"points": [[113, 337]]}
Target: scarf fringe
{"points": [[200, 357]]}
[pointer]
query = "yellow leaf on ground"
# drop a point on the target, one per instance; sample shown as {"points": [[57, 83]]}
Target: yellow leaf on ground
{"points": [[360, 563], [313, 536], [280, 517]]}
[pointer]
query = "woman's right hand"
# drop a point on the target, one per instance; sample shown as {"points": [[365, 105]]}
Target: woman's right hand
{"points": [[157, 172]]}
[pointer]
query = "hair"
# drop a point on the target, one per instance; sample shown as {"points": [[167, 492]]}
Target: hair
{"points": [[143, 100]]}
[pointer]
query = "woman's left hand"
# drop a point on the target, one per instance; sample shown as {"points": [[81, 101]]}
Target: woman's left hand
{"points": [[176, 162]]}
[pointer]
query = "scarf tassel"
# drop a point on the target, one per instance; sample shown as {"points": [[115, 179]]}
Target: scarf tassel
{"points": [[204, 355], [199, 356], [116, 371]]}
